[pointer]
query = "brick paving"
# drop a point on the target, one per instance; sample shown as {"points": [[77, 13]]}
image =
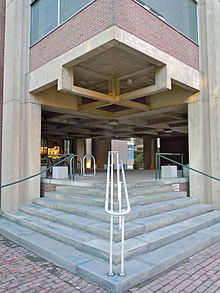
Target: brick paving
{"points": [[23, 271]]}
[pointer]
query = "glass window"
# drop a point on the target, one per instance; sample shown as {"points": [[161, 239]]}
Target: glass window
{"points": [[44, 18], [182, 15], [44, 15], [70, 7]]}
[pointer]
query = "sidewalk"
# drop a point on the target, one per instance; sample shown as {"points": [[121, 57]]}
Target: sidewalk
{"points": [[23, 271]]}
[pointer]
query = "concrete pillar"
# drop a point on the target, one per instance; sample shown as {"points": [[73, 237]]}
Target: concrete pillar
{"points": [[80, 147], [100, 149], [149, 153], [30, 152], [121, 146], [17, 111], [204, 118]]}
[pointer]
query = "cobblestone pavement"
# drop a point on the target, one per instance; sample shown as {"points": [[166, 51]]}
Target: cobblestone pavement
{"points": [[23, 271]]}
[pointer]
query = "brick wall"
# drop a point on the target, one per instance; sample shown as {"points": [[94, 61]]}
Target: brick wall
{"points": [[135, 19], [94, 19], [182, 187], [127, 15], [47, 187], [2, 35]]}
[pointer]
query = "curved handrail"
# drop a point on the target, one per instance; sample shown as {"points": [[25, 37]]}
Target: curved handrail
{"points": [[109, 203], [94, 165], [72, 161], [119, 183]]}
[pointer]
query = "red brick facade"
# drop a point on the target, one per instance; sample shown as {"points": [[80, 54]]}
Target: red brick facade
{"points": [[127, 15], [2, 36], [89, 22], [47, 187], [135, 19]]}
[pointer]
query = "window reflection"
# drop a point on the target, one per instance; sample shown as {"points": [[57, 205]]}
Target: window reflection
{"points": [[182, 15]]}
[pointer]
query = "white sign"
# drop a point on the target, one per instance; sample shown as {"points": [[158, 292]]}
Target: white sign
{"points": [[176, 187]]}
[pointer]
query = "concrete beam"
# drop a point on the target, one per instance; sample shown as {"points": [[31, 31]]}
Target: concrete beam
{"points": [[162, 83], [179, 72]]}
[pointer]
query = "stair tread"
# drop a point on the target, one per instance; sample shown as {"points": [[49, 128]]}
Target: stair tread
{"points": [[59, 214], [101, 185], [137, 270], [148, 198], [146, 240], [71, 218], [101, 191], [100, 210], [175, 213]]}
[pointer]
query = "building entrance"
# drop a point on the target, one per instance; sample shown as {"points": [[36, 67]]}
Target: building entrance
{"points": [[136, 139]]}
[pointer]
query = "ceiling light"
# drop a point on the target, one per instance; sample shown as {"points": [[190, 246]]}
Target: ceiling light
{"points": [[168, 130], [129, 81], [113, 122]]}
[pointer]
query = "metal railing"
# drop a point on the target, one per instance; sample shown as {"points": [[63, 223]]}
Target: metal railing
{"points": [[84, 167], [37, 174], [72, 166], [51, 160], [158, 162], [180, 164], [111, 200]]}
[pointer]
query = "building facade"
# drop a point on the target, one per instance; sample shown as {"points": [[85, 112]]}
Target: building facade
{"points": [[81, 74]]}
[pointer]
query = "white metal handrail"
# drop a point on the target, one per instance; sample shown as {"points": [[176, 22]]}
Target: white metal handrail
{"points": [[72, 162], [94, 165], [109, 203]]}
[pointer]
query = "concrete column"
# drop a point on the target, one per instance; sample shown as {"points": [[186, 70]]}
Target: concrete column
{"points": [[204, 118], [80, 147], [15, 109], [30, 152], [198, 129], [100, 149], [149, 153], [120, 146]]}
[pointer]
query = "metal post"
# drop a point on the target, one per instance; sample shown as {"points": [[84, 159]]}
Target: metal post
{"points": [[159, 163], [110, 273], [182, 164], [111, 165], [109, 207], [71, 169], [156, 163], [119, 188], [122, 273]]}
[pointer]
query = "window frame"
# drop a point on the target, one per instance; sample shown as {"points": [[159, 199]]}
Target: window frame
{"points": [[59, 23], [162, 19]]}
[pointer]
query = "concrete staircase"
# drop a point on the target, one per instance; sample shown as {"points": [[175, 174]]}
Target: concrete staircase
{"points": [[70, 228]]}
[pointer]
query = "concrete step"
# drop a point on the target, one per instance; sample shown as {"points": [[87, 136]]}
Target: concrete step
{"points": [[100, 202], [99, 247], [140, 269], [174, 216], [99, 213], [100, 192], [100, 228], [75, 198], [102, 185], [83, 184]]}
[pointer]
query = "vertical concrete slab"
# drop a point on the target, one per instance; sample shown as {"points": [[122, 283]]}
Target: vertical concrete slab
{"points": [[21, 118], [204, 118], [149, 153]]}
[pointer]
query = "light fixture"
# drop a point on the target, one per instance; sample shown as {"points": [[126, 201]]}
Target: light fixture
{"points": [[168, 130], [129, 81], [113, 122]]}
